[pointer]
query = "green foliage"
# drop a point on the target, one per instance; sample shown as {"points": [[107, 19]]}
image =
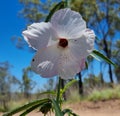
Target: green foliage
{"points": [[27, 83], [36, 10], [6, 82], [57, 108], [57, 7], [67, 86], [105, 94], [49, 86], [96, 54], [13, 104], [103, 20], [92, 81], [28, 107], [116, 57], [98, 18], [74, 96], [69, 112], [96, 94], [86, 8], [46, 107], [48, 93], [31, 10]]}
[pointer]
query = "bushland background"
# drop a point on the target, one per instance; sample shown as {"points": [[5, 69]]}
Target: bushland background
{"points": [[99, 82]]}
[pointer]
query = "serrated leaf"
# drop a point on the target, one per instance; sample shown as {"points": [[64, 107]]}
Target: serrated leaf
{"points": [[58, 111], [101, 56], [57, 7], [26, 106]]}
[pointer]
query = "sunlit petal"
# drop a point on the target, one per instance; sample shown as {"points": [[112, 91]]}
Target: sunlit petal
{"points": [[68, 23], [66, 42], [69, 65], [38, 35], [45, 61], [82, 46]]}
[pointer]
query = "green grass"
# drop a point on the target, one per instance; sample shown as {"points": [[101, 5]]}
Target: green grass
{"points": [[74, 97], [105, 94], [12, 105], [95, 95], [16, 104]]}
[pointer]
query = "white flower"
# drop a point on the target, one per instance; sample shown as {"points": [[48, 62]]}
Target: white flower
{"points": [[62, 44]]}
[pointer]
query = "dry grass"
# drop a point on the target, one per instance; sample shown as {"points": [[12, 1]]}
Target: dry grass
{"points": [[105, 94]]}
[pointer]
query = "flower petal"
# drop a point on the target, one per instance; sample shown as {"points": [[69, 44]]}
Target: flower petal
{"points": [[68, 23], [39, 34], [69, 66], [84, 45], [45, 61]]}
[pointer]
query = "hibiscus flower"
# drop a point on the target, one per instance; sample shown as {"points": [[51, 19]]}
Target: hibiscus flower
{"points": [[62, 44]]}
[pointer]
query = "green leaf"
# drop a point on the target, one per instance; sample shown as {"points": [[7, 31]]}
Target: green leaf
{"points": [[46, 107], [48, 92], [66, 3], [58, 111], [66, 111], [96, 54], [69, 112], [30, 110], [26, 106], [86, 65], [57, 7], [97, 38], [67, 86]]}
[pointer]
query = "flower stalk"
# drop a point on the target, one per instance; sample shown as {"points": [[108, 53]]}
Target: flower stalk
{"points": [[58, 91]]}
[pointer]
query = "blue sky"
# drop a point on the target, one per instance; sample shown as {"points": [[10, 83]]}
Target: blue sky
{"points": [[12, 25]]}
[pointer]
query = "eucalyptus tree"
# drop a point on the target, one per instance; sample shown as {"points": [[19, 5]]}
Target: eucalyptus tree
{"points": [[116, 58], [102, 16], [6, 82], [36, 10], [27, 83]]}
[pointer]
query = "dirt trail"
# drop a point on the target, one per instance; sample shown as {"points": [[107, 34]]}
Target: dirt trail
{"points": [[101, 108]]}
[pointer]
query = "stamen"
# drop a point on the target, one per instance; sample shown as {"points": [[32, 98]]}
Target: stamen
{"points": [[63, 42]]}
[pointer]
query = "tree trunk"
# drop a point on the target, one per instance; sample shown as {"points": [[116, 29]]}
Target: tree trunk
{"points": [[107, 50], [80, 84], [110, 74], [108, 53], [102, 80], [101, 75]]}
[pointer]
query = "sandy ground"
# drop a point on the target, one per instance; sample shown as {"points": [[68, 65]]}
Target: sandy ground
{"points": [[101, 108]]}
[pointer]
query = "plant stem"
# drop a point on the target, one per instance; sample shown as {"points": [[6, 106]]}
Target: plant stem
{"points": [[58, 91]]}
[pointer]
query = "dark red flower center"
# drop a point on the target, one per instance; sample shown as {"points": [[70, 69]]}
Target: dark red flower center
{"points": [[63, 42]]}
